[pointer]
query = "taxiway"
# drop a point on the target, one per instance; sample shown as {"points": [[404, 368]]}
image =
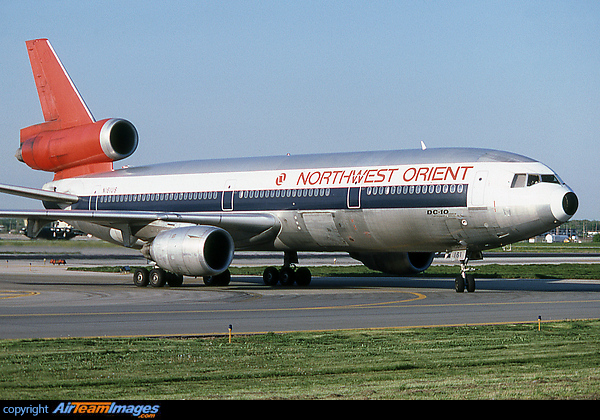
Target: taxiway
{"points": [[44, 301]]}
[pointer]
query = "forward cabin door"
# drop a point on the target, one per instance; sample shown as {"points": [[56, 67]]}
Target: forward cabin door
{"points": [[228, 193]]}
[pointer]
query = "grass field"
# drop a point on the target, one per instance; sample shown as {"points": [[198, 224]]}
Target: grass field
{"points": [[560, 361], [525, 271]]}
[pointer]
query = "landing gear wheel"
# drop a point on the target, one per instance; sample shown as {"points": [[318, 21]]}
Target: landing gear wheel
{"points": [[303, 276], [157, 277], [174, 280], [459, 284], [140, 277], [470, 279], [287, 276], [467, 281], [271, 276], [222, 279]]}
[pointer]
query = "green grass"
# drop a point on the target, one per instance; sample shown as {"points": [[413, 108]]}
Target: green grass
{"points": [[509, 271], [562, 361]]}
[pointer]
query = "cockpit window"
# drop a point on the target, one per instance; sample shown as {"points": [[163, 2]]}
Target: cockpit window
{"points": [[518, 181], [522, 180], [532, 179], [552, 179]]}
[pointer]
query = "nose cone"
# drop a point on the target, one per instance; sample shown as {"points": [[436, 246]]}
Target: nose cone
{"points": [[570, 203], [564, 205]]}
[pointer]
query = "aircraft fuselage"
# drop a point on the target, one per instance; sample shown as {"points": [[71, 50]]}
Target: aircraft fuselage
{"points": [[397, 201]]}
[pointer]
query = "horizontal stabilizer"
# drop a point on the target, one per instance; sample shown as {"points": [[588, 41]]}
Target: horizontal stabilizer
{"points": [[39, 194]]}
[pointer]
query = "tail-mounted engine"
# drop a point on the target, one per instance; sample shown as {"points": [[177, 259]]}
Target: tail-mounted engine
{"points": [[78, 150], [400, 263], [70, 142]]}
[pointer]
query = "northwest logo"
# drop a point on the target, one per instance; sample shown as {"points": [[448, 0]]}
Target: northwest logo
{"points": [[280, 179]]}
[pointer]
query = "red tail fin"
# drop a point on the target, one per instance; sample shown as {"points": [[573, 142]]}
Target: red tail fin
{"points": [[59, 97], [69, 142]]}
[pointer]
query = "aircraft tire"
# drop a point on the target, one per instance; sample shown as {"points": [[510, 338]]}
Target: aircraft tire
{"points": [[470, 280], [140, 277], [459, 284], [303, 276], [174, 280], [157, 277], [209, 280], [271, 276], [222, 279], [287, 276]]}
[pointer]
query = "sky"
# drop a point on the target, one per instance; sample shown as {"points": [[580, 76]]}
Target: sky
{"points": [[217, 79]]}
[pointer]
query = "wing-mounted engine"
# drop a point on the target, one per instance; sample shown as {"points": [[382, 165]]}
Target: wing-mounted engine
{"points": [[192, 251], [397, 263], [79, 150]]}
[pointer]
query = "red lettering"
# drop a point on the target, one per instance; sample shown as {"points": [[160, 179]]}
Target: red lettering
{"points": [[367, 176], [410, 177], [425, 173], [302, 178], [312, 180], [325, 177], [452, 174], [422, 172], [354, 176], [336, 173], [358, 177], [466, 168], [391, 173], [438, 174]]}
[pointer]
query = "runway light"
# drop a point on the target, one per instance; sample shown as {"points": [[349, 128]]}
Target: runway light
{"points": [[230, 328], [539, 323]]}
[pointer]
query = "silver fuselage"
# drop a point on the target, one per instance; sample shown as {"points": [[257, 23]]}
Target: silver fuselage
{"points": [[431, 200]]}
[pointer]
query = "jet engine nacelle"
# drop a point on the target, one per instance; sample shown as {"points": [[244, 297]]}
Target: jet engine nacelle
{"points": [[193, 250], [397, 263], [64, 150]]}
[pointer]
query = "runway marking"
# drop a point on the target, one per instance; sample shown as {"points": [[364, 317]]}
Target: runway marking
{"points": [[416, 297], [8, 294]]}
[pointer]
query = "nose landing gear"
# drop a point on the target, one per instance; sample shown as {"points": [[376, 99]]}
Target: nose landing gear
{"points": [[466, 279]]}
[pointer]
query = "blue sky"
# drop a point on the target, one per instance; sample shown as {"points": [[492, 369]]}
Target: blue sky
{"points": [[251, 78]]}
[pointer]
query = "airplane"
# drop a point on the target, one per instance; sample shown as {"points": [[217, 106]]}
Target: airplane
{"points": [[391, 210]]}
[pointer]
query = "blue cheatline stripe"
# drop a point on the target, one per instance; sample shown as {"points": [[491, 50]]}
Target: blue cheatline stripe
{"points": [[414, 196]]}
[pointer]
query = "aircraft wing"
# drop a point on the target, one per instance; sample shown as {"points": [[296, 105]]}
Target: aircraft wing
{"points": [[243, 227]]}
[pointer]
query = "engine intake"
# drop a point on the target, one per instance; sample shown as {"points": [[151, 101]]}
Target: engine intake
{"points": [[193, 251], [397, 263]]}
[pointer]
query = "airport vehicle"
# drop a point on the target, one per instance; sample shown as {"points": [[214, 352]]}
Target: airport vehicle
{"points": [[391, 210]]}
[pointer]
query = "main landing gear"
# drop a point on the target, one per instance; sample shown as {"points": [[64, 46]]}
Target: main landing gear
{"points": [[465, 279], [157, 277], [288, 274]]}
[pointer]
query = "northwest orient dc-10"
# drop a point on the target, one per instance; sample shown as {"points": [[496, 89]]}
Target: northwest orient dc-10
{"points": [[391, 210]]}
